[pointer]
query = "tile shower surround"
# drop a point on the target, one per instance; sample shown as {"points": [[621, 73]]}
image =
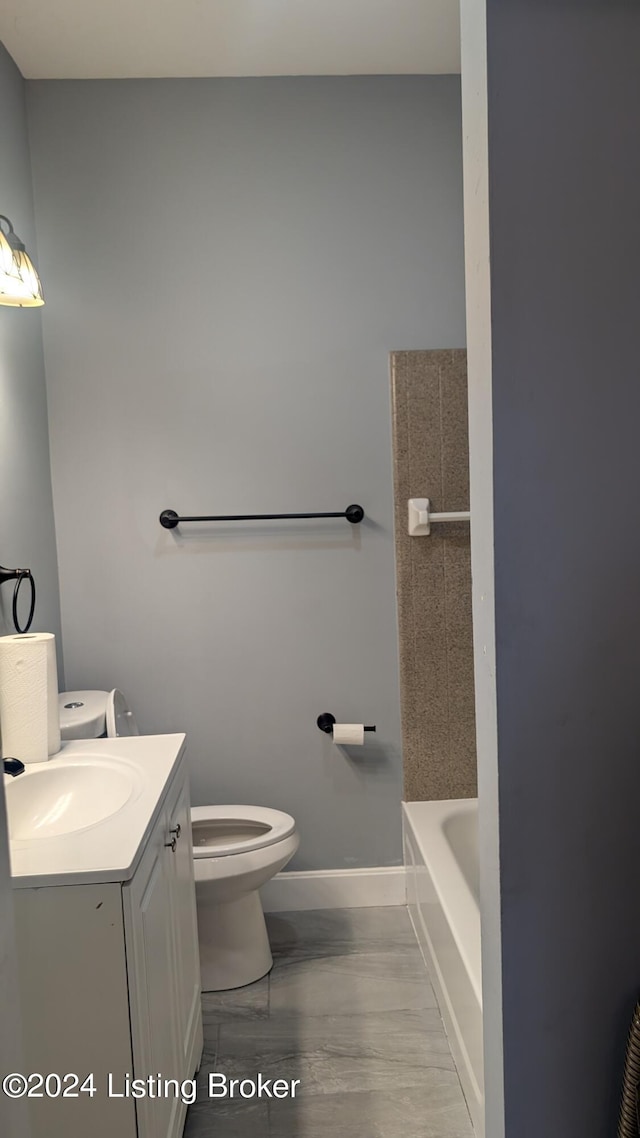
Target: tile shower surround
{"points": [[431, 460], [348, 1009]]}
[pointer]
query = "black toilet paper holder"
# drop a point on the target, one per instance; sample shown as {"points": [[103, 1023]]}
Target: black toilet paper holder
{"points": [[326, 721]]}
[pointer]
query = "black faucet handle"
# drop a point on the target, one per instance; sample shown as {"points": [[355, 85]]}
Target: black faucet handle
{"points": [[13, 766]]}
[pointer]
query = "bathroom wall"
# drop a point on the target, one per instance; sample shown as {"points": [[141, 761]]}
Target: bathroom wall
{"points": [[431, 460], [27, 535], [26, 515], [229, 264], [473, 45], [564, 179]]}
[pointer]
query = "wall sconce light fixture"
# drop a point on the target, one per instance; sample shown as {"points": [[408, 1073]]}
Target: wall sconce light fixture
{"points": [[19, 282]]}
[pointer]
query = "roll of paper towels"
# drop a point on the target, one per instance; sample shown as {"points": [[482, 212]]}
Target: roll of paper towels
{"points": [[29, 718], [348, 734]]}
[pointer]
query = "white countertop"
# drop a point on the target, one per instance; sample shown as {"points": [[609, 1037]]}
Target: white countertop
{"points": [[110, 849]]}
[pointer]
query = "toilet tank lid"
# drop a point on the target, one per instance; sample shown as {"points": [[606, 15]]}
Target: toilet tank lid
{"points": [[82, 714]]}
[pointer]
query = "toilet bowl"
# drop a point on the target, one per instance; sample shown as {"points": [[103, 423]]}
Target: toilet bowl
{"points": [[236, 850]]}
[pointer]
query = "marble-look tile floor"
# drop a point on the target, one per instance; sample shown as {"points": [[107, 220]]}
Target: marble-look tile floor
{"points": [[347, 1009]]}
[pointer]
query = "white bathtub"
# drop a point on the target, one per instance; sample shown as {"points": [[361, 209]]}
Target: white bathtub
{"points": [[441, 855]]}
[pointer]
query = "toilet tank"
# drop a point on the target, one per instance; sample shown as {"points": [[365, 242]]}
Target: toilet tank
{"points": [[83, 714], [95, 714]]}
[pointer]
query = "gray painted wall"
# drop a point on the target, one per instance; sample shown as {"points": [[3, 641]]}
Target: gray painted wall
{"points": [[27, 535], [229, 264], [564, 124], [26, 512]]}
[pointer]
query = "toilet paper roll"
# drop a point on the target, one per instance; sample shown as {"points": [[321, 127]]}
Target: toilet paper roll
{"points": [[29, 717], [348, 734]]}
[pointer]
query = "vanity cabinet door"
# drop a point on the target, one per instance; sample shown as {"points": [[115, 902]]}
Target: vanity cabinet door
{"points": [[185, 933], [152, 996]]}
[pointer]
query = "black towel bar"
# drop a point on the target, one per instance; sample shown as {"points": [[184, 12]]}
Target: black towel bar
{"points": [[170, 519]]}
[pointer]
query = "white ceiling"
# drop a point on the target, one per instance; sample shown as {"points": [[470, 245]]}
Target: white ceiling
{"points": [[110, 39]]}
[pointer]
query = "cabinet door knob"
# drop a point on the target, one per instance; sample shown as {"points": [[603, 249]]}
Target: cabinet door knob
{"points": [[171, 845], [177, 830]]}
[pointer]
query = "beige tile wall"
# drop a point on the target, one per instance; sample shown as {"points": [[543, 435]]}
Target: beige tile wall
{"points": [[431, 460]]}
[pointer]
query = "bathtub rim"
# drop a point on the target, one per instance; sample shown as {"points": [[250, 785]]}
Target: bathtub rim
{"points": [[461, 907]]}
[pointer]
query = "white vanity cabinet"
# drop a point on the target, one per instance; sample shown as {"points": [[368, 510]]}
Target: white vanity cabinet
{"points": [[164, 967], [110, 986]]}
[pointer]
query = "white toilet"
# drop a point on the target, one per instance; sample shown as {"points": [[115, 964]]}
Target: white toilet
{"points": [[236, 850]]}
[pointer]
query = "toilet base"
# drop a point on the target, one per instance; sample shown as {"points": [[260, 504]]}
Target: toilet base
{"points": [[234, 944]]}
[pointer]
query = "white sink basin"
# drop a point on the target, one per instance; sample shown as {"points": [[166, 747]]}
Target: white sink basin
{"points": [[63, 797]]}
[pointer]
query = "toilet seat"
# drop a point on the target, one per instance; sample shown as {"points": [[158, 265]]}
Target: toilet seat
{"points": [[220, 831], [119, 717]]}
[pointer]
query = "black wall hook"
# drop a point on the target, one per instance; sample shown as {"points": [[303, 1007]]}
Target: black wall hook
{"points": [[20, 575]]}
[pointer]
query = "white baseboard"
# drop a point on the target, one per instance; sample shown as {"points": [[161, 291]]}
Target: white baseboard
{"points": [[335, 889]]}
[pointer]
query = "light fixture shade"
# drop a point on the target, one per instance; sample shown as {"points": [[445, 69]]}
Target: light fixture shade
{"points": [[21, 288], [19, 282], [6, 255]]}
